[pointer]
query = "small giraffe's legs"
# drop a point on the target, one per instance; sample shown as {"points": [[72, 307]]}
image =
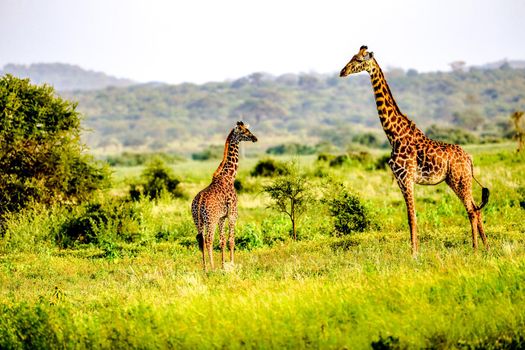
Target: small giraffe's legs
{"points": [[222, 239], [231, 238], [210, 232], [202, 247]]}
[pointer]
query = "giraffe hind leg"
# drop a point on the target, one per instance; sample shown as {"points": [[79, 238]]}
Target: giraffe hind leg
{"points": [[482, 231], [210, 232], [222, 239], [462, 189]]}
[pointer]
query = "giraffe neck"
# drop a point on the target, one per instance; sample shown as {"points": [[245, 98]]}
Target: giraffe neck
{"points": [[227, 170], [395, 124]]}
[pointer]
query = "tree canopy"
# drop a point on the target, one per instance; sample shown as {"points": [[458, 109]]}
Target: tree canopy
{"points": [[41, 156]]}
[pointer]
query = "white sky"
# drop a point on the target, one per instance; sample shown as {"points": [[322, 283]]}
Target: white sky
{"points": [[213, 40]]}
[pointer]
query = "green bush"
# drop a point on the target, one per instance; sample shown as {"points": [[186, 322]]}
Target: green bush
{"points": [[352, 157], [101, 223], [42, 159], [370, 140], [156, 179], [349, 213], [381, 163], [212, 152], [129, 159], [292, 148], [269, 167], [249, 238], [451, 135]]}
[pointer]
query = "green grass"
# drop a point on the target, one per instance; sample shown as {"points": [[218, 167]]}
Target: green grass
{"points": [[355, 292]]}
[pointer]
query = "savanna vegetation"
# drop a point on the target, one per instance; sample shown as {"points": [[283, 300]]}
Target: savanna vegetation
{"points": [[466, 106], [120, 266]]}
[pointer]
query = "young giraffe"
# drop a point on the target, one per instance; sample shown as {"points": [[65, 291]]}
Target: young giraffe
{"points": [[218, 202], [417, 159]]}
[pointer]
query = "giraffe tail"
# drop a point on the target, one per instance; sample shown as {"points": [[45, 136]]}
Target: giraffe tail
{"points": [[485, 193]]}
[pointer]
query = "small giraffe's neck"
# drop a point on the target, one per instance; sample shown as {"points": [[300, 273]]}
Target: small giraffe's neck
{"points": [[396, 125], [227, 170]]}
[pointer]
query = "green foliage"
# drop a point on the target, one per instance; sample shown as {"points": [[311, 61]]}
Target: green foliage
{"points": [[451, 135], [128, 159], [291, 195], [212, 152], [156, 179], [350, 158], [350, 215], [100, 222], [249, 238], [291, 148], [371, 140], [381, 163], [269, 167], [42, 158]]}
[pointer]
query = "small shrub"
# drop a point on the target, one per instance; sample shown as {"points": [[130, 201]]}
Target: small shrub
{"points": [[325, 157], [349, 213], [249, 238], [156, 178], [269, 167], [339, 160]]}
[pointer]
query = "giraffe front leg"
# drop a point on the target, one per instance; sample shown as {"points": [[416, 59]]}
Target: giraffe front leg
{"points": [[408, 193], [222, 239]]}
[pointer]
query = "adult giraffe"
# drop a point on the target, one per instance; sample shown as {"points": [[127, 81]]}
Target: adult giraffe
{"points": [[218, 202], [417, 159]]}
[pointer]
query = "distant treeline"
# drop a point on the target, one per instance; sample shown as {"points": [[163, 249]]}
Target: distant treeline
{"points": [[309, 107]]}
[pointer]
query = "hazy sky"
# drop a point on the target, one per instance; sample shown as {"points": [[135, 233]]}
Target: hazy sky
{"points": [[213, 40]]}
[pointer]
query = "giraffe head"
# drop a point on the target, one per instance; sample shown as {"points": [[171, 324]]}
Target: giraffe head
{"points": [[241, 133], [361, 61]]}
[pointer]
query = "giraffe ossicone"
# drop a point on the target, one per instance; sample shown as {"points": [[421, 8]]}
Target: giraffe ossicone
{"points": [[417, 159], [218, 202]]}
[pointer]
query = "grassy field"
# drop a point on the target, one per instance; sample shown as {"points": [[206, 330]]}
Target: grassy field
{"points": [[359, 291]]}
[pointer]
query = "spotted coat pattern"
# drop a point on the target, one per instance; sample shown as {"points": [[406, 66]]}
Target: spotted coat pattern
{"points": [[218, 202], [417, 159]]}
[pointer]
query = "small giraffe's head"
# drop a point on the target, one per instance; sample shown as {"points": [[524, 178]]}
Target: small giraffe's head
{"points": [[241, 133], [361, 61]]}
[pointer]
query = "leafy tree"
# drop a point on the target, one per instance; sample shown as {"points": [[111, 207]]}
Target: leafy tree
{"points": [[291, 195], [41, 156]]}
